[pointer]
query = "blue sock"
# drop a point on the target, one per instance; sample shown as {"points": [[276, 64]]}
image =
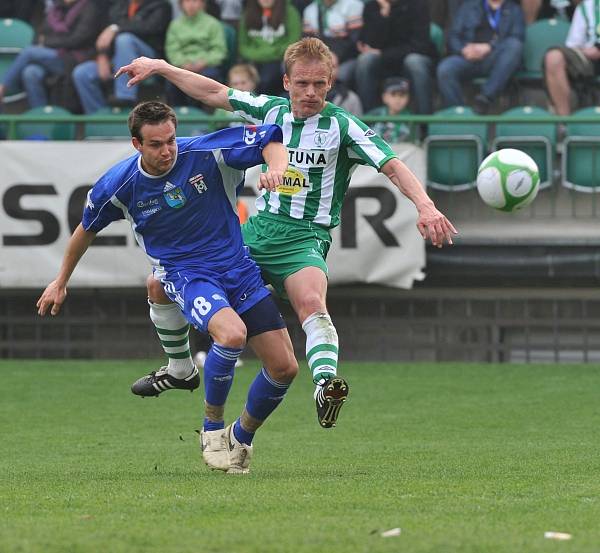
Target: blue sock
{"points": [[264, 396], [218, 377], [242, 435]]}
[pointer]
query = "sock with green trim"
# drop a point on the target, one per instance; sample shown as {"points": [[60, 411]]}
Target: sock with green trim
{"points": [[173, 331], [321, 346]]}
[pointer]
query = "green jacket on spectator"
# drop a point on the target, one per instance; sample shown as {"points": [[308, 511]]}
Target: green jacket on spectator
{"points": [[190, 39], [268, 44]]}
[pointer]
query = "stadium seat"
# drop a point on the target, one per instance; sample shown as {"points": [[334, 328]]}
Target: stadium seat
{"points": [[454, 150], [46, 131], [107, 130], [436, 34], [539, 37], [14, 36], [536, 139], [581, 156], [231, 41], [189, 128]]}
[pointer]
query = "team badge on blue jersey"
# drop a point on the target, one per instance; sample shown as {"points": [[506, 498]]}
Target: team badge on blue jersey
{"points": [[197, 181], [174, 195]]}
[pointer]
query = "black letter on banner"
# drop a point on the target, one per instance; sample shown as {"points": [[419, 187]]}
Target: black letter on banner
{"points": [[75, 210], [386, 200], [12, 207]]}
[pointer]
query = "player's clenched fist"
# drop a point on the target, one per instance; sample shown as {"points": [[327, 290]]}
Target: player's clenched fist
{"points": [[270, 180]]}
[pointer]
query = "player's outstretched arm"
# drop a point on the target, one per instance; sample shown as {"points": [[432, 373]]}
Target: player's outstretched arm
{"points": [[56, 292], [276, 156], [431, 223], [207, 91]]}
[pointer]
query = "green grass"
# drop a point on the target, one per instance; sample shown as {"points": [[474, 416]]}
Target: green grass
{"points": [[463, 458]]}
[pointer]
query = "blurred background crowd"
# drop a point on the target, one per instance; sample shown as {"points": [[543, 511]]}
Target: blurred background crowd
{"points": [[391, 56]]}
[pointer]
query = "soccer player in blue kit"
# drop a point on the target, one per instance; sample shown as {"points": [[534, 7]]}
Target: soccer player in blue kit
{"points": [[179, 195]]}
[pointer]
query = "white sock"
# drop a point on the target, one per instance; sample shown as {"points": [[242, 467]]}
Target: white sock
{"points": [[173, 331], [321, 346]]}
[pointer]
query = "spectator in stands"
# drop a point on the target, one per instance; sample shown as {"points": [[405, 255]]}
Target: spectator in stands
{"points": [[67, 38], [242, 76], [137, 28], [486, 40], [395, 98], [231, 11], [340, 94], [26, 10], [267, 28], [196, 42], [337, 23], [441, 12], [577, 61], [394, 40], [544, 9]]}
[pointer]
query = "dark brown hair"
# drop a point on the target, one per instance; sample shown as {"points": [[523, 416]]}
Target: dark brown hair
{"points": [[253, 14], [149, 113]]}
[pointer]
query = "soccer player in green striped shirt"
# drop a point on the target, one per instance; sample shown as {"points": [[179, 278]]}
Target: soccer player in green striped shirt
{"points": [[289, 237]]}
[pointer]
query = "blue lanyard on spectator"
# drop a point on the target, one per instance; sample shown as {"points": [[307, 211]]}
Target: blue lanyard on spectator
{"points": [[492, 17]]}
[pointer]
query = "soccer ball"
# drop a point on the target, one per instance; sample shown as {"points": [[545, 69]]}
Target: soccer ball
{"points": [[508, 180]]}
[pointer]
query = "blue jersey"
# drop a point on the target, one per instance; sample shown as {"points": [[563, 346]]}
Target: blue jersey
{"points": [[185, 219]]}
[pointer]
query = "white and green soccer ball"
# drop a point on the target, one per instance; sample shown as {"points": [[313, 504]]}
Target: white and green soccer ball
{"points": [[508, 180]]}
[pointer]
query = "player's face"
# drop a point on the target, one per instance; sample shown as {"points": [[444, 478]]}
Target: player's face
{"points": [[158, 147], [308, 84]]}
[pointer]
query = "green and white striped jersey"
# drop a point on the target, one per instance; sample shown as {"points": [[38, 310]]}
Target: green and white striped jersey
{"points": [[323, 152]]}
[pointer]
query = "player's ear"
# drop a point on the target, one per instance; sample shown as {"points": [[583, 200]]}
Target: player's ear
{"points": [[136, 143], [286, 82]]}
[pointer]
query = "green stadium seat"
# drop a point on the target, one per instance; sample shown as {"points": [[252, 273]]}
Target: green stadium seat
{"points": [[436, 34], [581, 156], [14, 36], [46, 131], [539, 37], [190, 128], [454, 150], [231, 41], [535, 139], [107, 130]]}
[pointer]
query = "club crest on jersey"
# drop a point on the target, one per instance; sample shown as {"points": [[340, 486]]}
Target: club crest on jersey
{"points": [[174, 195], [320, 138], [294, 181], [369, 133], [197, 181]]}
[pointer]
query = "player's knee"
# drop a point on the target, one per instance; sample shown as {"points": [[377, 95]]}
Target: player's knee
{"points": [[232, 336], [285, 370], [311, 303], [156, 293]]}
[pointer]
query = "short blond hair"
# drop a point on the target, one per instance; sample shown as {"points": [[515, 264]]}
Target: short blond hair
{"points": [[307, 49]]}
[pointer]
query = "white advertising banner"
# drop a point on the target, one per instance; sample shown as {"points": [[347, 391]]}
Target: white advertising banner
{"points": [[43, 186]]}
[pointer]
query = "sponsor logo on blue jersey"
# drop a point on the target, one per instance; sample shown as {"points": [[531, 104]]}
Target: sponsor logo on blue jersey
{"points": [[174, 195]]}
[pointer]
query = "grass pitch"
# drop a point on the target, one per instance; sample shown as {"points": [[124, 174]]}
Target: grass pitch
{"points": [[462, 458]]}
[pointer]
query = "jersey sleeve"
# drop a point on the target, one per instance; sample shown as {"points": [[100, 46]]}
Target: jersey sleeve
{"points": [[101, 209], [249, 141], [363, 144], [250, 107]]}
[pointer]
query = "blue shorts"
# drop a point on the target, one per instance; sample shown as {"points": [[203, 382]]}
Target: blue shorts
{"points": [[200, 293]]}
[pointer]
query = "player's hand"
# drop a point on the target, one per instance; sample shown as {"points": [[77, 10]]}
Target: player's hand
{"points": [[53, 297], [270, 180], [138, 70], [434, 225]]}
